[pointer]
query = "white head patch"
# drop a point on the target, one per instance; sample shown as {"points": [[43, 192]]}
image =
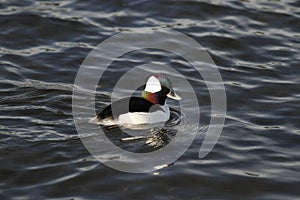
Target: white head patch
{"points": [[153, 85]]}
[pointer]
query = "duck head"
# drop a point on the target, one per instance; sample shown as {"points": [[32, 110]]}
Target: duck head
{"points": [[158, 88]]}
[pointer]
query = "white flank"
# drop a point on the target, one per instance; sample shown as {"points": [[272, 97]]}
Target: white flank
{"points": [[145, 118], [106, 122]]}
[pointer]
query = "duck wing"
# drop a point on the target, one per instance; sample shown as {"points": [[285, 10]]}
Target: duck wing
{"points": [[129, 104]]}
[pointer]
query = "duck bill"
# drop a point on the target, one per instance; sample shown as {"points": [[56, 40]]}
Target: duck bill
{"points": [[173, 95]]}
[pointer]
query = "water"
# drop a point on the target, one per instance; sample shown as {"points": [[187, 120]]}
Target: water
{"points": [[255, 45]]}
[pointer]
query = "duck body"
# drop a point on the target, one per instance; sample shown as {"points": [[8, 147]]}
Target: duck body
{"points": [[150, 108], [133, 110]]}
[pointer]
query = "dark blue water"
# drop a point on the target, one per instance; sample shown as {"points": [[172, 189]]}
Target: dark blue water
{"points": [[255, 45]]}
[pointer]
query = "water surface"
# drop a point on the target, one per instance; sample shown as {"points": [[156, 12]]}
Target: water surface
{"points": [[255, 45]]}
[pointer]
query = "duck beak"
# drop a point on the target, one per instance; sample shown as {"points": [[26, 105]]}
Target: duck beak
{"points": [[173, 95]]}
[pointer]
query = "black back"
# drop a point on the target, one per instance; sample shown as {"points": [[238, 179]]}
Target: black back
{"points": [[136, 104]]}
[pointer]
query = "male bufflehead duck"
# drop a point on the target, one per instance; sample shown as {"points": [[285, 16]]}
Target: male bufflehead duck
{"points": [[150, 108]]}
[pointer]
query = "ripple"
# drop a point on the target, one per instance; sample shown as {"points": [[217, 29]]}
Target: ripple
{"points": [[256, 47]]}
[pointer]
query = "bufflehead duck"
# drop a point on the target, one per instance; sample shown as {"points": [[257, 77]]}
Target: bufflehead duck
{"points": [[150, 108]]}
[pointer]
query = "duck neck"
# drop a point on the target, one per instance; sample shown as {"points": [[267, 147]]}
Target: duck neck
{"points": [[155, 98]]}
